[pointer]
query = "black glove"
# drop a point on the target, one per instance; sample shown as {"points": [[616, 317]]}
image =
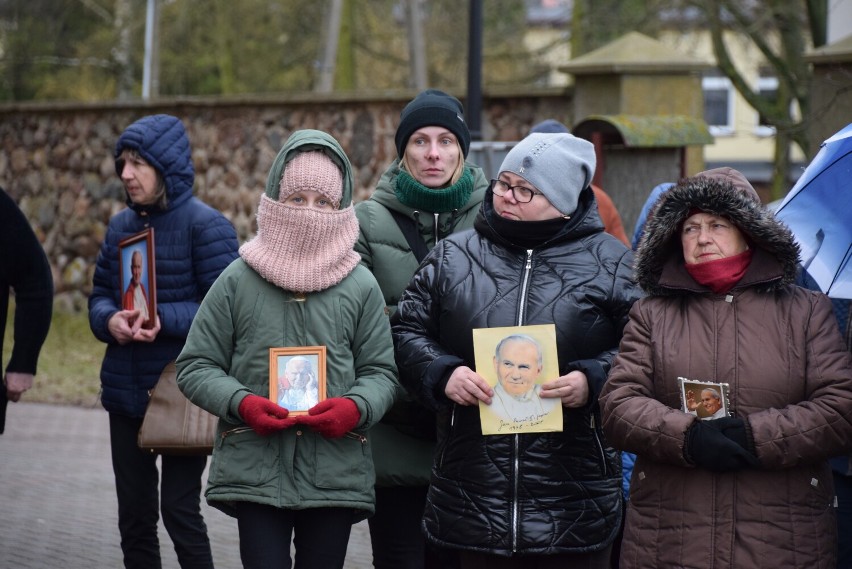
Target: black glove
{"points": [[733, 428], [720, 445]]}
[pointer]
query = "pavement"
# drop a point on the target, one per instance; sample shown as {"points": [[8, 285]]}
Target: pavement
{"points": [[57, 497]]}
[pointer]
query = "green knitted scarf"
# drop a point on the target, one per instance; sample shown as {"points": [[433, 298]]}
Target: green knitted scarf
{"points": [[412, 193]]}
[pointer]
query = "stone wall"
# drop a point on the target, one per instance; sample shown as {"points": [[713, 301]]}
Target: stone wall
{"points": [[56, 159]]}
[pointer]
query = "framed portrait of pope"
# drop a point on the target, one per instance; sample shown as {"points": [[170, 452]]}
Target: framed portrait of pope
{"points": [[138, 276]]}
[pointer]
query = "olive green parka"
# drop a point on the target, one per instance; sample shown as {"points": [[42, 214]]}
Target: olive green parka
{"points": [[226, 358], [404, 441]]}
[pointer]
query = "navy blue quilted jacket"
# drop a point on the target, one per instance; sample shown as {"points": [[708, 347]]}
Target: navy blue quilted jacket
{"points": [[193, 243]]}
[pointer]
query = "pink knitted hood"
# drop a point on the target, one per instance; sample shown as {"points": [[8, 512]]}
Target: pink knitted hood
{"points": [[299, 248]]}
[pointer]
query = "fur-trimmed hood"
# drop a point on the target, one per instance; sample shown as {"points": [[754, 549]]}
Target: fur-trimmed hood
{"points": [[659, 267]]}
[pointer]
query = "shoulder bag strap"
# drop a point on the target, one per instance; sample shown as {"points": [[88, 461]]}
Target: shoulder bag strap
{"points": [[411, 234]]}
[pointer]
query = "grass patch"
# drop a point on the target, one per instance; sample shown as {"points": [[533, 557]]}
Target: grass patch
{"points": [[70, 361]]}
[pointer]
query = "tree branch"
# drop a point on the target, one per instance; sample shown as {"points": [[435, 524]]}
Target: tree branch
{"points": [[101, 12]]}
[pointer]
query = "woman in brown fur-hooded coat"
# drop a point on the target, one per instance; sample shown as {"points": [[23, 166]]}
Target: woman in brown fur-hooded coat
{"points": [[753, 489]]}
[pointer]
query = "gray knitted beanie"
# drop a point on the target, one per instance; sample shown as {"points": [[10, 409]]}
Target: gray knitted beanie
{"points": [[559, 165]]}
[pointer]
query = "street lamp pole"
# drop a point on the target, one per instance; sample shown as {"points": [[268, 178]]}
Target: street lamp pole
{"points": [[474, 71], [150, 83]]}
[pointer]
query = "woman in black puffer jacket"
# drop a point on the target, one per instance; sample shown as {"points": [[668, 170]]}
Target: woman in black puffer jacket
{"points": [[538, 255]]}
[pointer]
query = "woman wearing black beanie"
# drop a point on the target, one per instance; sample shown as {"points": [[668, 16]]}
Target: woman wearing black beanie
{"points": [[426, 193]]}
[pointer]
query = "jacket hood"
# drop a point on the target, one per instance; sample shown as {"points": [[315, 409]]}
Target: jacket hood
{"points": [[724, 192], [162, 141], [304, 141], [385, 195]]}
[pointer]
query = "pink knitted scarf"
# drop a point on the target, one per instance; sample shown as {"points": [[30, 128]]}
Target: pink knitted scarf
{"points": [[302, 249]]}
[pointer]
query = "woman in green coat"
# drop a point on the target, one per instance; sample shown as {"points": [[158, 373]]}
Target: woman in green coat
{"points": [[298, 283], [426, 194]]}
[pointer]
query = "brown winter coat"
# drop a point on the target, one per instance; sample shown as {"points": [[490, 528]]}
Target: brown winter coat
{"points": [[779, 349]]}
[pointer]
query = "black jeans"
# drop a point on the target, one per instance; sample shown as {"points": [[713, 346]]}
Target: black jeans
{"points": [[320, 535], [136, 483], [396, 533]]}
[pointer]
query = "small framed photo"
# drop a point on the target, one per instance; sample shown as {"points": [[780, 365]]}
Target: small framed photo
{"points": [[704, 399], [297, 377], [138, 276]]}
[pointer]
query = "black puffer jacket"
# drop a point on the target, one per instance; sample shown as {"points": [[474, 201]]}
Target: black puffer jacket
{"points": [[539, 494]]}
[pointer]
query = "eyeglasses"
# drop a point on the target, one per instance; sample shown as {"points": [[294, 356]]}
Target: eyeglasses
{"points": [[522, 193]]}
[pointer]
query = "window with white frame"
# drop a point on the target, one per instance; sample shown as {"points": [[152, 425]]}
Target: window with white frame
{"points": [[718, 103]]}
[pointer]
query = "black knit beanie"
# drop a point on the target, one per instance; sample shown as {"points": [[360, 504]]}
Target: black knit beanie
{"points": [[432, 108]]}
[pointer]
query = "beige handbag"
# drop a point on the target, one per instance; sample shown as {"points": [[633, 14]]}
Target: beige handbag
{"points": [[173, 424]]}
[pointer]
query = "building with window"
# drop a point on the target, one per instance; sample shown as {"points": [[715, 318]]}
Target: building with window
{"points": [[742, 138]]}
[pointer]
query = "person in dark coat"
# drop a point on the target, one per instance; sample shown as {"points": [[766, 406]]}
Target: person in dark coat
{"points": [[24, 269], [650, 201], [754, 488], [537, 254], [428, 192], [841, 466], [193, 243]]}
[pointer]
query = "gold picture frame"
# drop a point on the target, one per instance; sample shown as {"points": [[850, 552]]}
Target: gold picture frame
{"points": [[297, 379], [138, 291]]}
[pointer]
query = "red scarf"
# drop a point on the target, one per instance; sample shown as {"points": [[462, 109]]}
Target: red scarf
{"points": [[722, 274]]}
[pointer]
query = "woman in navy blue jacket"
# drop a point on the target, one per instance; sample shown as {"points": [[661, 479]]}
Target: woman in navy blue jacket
{"points": [[193, 243]]}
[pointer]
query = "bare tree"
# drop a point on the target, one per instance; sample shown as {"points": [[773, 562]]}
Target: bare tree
{"points": [[50, 57], [595, 23], [93, 49], [782, 30], [124, 84]]}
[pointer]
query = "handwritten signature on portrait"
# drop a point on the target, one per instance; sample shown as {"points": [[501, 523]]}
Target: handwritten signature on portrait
{"points": [[520, 423]]}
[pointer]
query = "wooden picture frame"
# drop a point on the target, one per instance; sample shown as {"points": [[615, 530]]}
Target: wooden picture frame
{"points": [[137, 251], [692, 398], [297, 377]]}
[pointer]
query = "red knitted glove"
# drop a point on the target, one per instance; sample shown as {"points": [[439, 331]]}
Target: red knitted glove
{"points": [[333, 417], [264, 416]]}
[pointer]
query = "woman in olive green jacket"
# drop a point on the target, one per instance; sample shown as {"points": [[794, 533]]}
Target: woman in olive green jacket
{"points": [[298, 283], [426, 194]]}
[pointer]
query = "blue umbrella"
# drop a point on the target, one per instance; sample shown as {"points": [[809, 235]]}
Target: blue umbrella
{"points": [[818, 211]]}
